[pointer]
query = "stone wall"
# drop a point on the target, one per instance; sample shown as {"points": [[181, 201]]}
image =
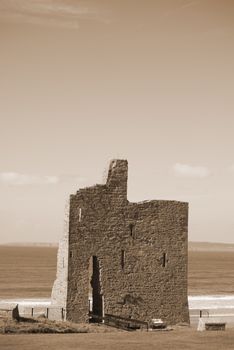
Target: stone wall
{"points": [[59, 290], [140, 249]]}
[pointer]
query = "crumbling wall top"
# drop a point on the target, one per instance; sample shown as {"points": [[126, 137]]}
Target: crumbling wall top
{"points": [[118, 175]]}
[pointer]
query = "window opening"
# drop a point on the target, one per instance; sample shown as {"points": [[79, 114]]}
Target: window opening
{"points": [[122, 259], [80, 213], [164, 260], [131, 226]]}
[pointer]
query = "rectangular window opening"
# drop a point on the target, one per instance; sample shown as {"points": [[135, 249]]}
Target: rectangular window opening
{"points": [[80, 213], [122, 259], [131, 226], [164, 260]]}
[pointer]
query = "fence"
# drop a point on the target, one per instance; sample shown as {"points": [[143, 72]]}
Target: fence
{"points": [[52, 312], [121, 322], [224, 315]]}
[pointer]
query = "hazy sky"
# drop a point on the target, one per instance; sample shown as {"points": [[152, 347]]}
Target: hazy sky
{"points": [[82, 82]]}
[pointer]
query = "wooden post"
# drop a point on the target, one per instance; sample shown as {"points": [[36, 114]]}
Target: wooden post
{"points": [[62, 314], [47, 312], [200, 313], [32, 312]]}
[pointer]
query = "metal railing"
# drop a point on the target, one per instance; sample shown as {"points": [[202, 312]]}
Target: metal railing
{"points": [[128, 324]]}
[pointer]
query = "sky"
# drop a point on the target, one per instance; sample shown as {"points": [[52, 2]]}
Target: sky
{"points": [[83, 82]]}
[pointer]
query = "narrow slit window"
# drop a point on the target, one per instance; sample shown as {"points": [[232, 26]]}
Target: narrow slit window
{"points": [[131, 226], [80, 213], [122, 259], [71, 253], [164, 260]]}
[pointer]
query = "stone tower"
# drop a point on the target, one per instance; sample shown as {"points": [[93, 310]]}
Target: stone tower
{"points": [[121, 258]]}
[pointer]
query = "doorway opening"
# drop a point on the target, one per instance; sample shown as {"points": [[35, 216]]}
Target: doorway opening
{"points": [[96, 300]]}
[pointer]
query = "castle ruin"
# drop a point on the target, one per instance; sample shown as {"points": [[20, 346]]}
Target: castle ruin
{"points": [[122, 258]]}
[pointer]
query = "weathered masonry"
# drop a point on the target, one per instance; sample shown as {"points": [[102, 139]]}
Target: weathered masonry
{"points": [[121, 258]]}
